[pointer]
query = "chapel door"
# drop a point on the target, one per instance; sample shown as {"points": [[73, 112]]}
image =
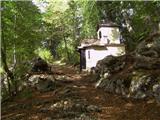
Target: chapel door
{"points": [[82, 59]]}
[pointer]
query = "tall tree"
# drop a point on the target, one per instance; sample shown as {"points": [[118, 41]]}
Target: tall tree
{"points": [[20, 36], [131, 15]]}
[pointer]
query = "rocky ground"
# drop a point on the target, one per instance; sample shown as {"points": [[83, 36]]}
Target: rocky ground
{"points": [[133, 75], [69, 95]]}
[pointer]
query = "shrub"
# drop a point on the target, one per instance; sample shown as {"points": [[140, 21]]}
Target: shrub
{"points": [[45, 54]]}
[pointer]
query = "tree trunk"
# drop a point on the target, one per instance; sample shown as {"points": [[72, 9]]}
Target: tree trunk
{"points": [[10, 75], [3, 86], [65, 42], [14, 66]]}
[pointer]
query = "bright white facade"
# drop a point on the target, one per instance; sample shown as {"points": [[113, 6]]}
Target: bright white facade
{"points": [[94, 54]]}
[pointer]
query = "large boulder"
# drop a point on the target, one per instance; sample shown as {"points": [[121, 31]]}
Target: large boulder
{"points": [[137, 85], [135, 74], [39, 65], [150, 47], [110, 64], [156, 91], [42, 82], [141, 85]]}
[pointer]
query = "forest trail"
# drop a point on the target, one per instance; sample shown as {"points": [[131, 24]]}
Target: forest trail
{"points": [[77, 99]]}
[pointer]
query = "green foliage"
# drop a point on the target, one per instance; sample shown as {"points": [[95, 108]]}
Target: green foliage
{"points": [[73, 54], [75, 20], [64, 28], [1, 70], [91, 18], [45, 54], [21, 26]]}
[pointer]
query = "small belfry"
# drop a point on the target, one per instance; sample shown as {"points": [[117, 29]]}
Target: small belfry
{"points": [[108, 42], [108, 33]]}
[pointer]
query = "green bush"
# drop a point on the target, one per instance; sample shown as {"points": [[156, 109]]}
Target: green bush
{"points": [[1, 70], [45, 54]]}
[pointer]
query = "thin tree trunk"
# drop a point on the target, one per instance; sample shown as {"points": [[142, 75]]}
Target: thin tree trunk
{"points": [[4, 63], [66, 47], [14, 57], [10, 75], [65, 42], [14, 66], [3, 85]]}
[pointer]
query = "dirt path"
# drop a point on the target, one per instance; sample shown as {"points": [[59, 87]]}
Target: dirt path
{"points": [[77, 99]]}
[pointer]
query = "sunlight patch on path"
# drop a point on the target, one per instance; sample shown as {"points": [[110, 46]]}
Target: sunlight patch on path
{"points": [[59, 62]]}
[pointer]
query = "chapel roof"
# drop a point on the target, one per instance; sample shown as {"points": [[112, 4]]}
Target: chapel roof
{"points": [[86, 43], [108, 24]]}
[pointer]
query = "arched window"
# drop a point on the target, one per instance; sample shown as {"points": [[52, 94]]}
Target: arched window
{"points": [[89, 55]]}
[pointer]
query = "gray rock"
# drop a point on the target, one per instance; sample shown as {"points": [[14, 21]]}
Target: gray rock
{"points": [[156, 90], [83, 116], [44, 110], [137, 82], [107, 86], [106, 75], [42, 82], [118, 90], [45, 85], [93, 108], [34, 80], [138, 87], [139, 95], [112, 87], [119, 82], [80, 107], [48, 118], [101, 83], [150, 49]]}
